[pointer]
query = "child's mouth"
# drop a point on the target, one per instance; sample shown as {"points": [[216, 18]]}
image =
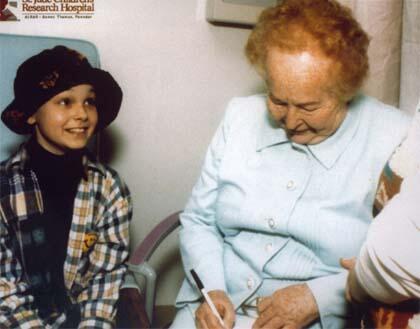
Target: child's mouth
{"points": [[77, 130]]}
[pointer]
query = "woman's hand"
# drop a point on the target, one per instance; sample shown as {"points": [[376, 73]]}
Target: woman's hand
{"points": [[354, 291], [205, 319], [288, 308]]}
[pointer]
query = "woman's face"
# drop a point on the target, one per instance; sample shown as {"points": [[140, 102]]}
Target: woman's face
{"points": [[66, 121], [300, 97]]}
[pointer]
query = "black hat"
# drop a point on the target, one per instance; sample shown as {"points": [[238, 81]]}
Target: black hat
{"points": [[51, 72]]}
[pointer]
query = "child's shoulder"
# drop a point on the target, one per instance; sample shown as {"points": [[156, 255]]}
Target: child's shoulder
{"points": [[16, 159], [101, 168], [5, 178], [3, 165], [109, 174], [7, 165]]}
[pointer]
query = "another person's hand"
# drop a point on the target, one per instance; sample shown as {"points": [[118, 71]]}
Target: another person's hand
{"points": [[205, 319], [288, 308], [354, 291]]}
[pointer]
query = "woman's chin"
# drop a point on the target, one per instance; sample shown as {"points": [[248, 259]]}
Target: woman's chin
{"points": [[303, 139], [307, 138]]}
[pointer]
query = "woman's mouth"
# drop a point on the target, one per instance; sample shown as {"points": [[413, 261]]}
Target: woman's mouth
{"points": [[297, 132]]}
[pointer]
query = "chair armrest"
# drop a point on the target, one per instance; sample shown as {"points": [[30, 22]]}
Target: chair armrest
{"points": [[145, 250], [139, 270]]}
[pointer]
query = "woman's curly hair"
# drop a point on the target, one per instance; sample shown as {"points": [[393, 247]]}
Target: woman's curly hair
{"points": [[325, 25]]}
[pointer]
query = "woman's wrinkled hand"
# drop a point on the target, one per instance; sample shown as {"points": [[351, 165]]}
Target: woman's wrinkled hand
{"points": [[354, 291], [205, 319], [288, 308]]}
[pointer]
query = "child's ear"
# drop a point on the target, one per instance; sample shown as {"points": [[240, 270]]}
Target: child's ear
{"points": [[31, 120]]}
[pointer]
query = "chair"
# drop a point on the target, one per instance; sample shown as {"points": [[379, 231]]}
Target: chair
{"points": [[141, 274], [14, 49]]}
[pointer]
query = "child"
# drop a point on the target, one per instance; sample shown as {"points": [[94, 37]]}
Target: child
{"points": [[64, 216]]}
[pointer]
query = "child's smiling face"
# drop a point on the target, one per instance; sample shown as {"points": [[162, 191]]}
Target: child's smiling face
{"points": [[66, 121]]}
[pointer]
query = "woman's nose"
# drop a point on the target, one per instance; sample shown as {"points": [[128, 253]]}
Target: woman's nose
{"points": [[291, 119]]}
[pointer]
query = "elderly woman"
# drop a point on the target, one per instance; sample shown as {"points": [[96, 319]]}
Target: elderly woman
{"points": [[290, 177]]}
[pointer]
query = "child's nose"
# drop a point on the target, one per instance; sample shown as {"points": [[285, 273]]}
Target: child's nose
{"points": [[81, 112]]}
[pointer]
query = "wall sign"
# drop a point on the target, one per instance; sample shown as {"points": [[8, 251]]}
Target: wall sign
{"points": [[243, 12]]}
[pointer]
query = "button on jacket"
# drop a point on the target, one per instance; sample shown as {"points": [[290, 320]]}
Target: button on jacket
{"points": [[266, 212]]}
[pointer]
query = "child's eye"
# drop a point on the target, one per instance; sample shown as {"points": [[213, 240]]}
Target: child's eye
{"points": [[64, 101], [90, 101]]}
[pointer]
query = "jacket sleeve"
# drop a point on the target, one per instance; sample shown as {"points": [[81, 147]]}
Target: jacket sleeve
{"points": [[201, 242], [329, 292], [16, 303], [107, 260], [388, 267]]}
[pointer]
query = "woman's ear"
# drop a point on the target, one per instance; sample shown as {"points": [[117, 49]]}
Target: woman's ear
{"points": [[31, 120]]}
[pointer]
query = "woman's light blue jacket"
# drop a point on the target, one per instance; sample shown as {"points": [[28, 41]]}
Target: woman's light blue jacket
{"points": [[266, 213]]}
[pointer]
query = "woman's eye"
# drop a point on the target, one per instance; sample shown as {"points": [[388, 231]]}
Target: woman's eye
{"points": [[280, 104], [276, 101], [309, 109]]}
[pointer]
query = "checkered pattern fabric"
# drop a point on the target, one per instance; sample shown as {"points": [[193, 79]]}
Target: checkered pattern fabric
{"points": [[93, 272]]}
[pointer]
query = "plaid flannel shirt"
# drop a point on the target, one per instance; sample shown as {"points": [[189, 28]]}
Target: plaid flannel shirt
{"points": [[98, 245]]}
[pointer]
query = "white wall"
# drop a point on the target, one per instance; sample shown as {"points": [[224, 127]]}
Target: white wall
{"points": [[382, 20], [410, 68], [177, 72]]}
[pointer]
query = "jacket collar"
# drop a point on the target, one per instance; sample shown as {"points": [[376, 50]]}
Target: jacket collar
{"points": [[270, 133], [326, 152], [330, 150]]}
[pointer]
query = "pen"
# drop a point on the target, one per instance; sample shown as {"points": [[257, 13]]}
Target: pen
{"points": [[206, 297]]}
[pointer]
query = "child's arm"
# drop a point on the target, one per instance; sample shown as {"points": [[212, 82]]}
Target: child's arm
{"points": [[107, 259], [16, 303]]}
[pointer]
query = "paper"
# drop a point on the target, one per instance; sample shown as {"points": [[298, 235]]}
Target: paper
{"points": [[244, 322]]}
